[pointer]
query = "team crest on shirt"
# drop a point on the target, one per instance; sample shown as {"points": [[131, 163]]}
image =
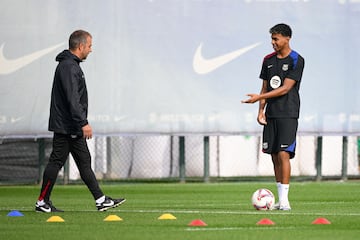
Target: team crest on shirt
{"points": [[275, 82], [285, 67]]}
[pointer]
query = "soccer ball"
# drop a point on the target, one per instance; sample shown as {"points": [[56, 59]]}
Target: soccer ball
{"points": [[263, 199]]}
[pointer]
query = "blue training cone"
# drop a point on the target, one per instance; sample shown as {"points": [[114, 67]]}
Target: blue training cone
{"points": [[15, 214]]}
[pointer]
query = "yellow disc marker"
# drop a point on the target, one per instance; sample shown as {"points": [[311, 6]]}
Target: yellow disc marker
{"points": [[167, 216], [55, 219], [112, 218]]}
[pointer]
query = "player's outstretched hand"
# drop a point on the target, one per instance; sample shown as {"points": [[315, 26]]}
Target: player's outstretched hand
{"points": [[253, 98]]}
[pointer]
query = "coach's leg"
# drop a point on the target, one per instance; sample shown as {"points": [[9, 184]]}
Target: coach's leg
{"points": [[81, 154], [58, 157]]}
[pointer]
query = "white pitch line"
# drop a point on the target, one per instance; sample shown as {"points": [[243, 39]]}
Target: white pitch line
{"points": [[220, 212], [237, 228], [274, 212]]}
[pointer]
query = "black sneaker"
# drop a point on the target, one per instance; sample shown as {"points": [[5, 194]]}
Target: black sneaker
{"points": [[47, 208], [109, 203], [42, 208], [53, 208]]}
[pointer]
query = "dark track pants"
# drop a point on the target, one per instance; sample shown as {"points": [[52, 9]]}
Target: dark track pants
{"points": [[62, 146]]}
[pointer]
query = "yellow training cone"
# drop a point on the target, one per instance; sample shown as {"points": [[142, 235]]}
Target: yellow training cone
{"points": [[55, 219], [167, 216], [112, 218]]}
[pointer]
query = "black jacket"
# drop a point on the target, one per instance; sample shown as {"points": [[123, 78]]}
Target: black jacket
{"points": [[69, 99]]}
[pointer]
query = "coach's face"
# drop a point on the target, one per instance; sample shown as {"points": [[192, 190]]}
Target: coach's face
{"points": [[85, 49], [279, 42]]}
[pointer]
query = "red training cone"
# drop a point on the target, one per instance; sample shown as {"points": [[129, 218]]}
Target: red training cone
{"points": [[265, 221], [321, 221], [197, 222]]}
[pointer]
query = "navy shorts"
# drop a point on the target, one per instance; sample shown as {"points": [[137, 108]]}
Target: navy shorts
{"points": [[280, 135]]}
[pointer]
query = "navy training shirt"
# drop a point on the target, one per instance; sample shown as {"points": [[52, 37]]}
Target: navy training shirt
{"points": [[274, 70]]}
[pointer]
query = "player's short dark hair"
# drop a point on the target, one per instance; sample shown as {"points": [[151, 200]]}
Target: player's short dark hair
{"points": [[282, 29], [77, 37]]}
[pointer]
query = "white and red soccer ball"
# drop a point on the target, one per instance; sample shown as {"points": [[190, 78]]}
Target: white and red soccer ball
{"points": [[263, 199]]}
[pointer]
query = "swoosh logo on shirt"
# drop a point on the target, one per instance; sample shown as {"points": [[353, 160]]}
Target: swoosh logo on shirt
{"points": [[204, 66], [8, 66]]}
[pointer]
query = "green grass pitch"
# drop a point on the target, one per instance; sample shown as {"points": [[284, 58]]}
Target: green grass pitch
{"points": [[224, 207]]}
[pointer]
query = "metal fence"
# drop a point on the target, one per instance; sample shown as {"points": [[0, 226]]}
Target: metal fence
{"points": [[181, 158]]}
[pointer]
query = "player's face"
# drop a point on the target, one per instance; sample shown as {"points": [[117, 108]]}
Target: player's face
{"points": [[86, 48], [279, 42]]}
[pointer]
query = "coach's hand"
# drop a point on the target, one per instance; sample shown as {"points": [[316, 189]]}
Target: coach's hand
{"points": [[87, 131]]}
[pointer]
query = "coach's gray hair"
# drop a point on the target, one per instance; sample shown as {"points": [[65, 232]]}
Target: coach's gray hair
{"points": [[78, 37]]}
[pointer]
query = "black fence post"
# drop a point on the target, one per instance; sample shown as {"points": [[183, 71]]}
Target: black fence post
{"points": [[182, 158], [344, 158], [108, 158], [318, 160], [206, 159]]}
